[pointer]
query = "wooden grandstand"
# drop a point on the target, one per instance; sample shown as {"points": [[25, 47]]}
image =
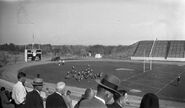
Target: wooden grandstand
{"points": [[160, 50]]}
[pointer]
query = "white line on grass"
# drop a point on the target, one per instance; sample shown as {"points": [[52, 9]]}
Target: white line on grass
{"points": [[167, 84], [135, 76]]}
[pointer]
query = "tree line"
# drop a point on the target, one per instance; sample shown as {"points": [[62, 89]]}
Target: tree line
{"points": [[78, 50]]}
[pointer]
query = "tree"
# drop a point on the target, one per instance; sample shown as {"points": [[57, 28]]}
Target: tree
{"points": [[4, 58], [56, 51], [15, 53], [83, 52], [96, 49]]}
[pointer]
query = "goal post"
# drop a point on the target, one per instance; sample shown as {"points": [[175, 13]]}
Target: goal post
{"points": [[150, 55]]}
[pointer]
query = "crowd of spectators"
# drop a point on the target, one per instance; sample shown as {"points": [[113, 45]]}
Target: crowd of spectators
{"points": [[107, 96]]}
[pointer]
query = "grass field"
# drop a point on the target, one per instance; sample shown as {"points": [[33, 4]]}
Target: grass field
{"points": [[160, 80]]}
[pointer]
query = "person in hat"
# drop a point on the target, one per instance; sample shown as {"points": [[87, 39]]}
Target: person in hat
{"points": [[89, 94], [120, 100], [19, 92], [105, 89], [33, 98], [58, 99]]}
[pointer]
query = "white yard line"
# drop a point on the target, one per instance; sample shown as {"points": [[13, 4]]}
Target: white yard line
{"points": [[164, 86], [167, 84], [134, 76]]}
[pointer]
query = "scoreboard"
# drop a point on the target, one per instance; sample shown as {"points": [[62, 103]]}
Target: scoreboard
{"points": [[33, 54]]}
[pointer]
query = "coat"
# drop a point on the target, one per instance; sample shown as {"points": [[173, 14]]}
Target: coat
{"points": [[92, 103], [5, 101], [114, 105], [33, 100], [55, 101]]}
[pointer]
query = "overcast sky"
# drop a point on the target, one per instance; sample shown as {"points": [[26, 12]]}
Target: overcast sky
{"points": [[90, 22]]}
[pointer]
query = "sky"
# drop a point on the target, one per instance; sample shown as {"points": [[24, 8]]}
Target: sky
{"points": [[91, 22]]}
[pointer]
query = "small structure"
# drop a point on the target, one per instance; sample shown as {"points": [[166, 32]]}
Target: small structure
{"points": [[33, 54], [98, 56]]}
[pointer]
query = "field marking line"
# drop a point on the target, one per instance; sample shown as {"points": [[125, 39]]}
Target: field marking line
{"points": [[167, 84], [134, 76], [124, 80], [143, 85]]}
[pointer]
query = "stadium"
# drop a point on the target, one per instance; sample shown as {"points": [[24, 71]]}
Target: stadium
{"points": [[142, 42], [138, 76]]}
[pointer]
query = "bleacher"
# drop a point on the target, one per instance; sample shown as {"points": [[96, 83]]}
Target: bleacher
{"points": [[143, 49], [176, 50], [162, 50], [159, 50]]}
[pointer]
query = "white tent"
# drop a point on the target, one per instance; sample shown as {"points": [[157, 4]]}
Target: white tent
{"points": [[98, 56]]}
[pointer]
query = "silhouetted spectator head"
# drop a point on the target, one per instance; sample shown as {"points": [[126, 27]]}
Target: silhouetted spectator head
{"points": [[21, 76], [89, 93], [2, 88], [149, 100], [38, 75]]}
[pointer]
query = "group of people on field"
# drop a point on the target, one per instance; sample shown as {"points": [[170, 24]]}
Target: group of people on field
{"points": [[82, 72]]}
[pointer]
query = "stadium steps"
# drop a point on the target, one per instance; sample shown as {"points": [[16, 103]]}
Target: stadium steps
{"points": [[162, 50], [143, 49], [176, 49], [136, 49], [159, 49]]}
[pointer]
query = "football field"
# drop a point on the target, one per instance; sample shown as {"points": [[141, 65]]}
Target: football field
{"points": [[160, 80]]}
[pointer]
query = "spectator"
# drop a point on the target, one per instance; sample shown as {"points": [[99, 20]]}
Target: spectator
{"points": [[8, 94], [149, 100], [5, 102], [38, 75], [58, 99], [89, 94], [2, 88], [120, 99], [33, 98], [19, 91], [68, 99], [105, 89]]}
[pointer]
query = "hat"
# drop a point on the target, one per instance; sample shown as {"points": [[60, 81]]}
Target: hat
{"points": [[37, 82], [110, 82], [60, 85]]}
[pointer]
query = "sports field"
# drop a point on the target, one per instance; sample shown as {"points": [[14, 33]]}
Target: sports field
{"points": [[160, 80]]}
